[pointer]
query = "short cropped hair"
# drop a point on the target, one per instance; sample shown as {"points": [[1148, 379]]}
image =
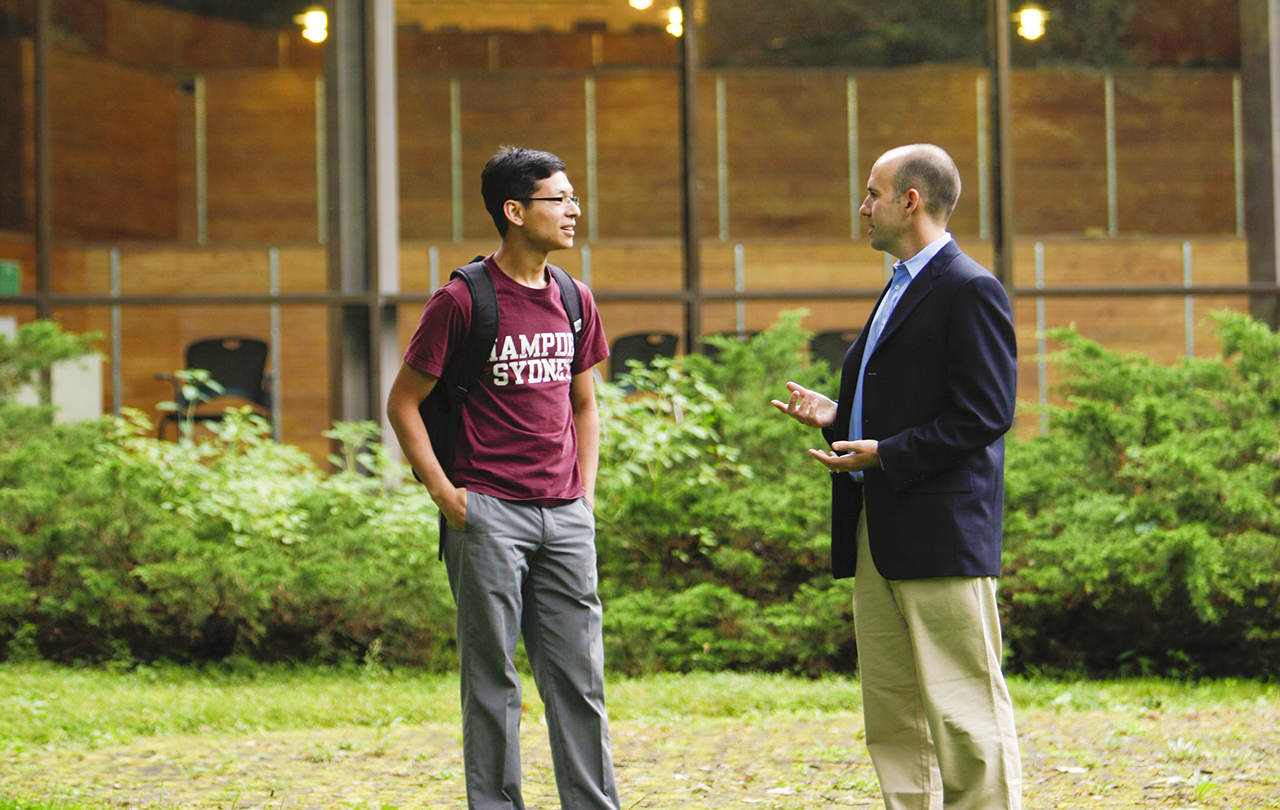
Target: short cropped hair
{"points": [[513, 174], [931, 171]]}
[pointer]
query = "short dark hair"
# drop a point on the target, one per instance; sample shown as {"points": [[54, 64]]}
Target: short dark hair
{"points": [[931, 171], [513, 174]]}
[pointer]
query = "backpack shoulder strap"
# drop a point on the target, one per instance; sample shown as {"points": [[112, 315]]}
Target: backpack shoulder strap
{"points": [[484, 326], [571, 298]]}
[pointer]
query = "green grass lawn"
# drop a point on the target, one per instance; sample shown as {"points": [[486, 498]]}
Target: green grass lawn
{"points": [[367, 738]]}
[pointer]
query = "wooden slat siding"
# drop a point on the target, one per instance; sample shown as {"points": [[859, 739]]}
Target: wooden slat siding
{"points": [[190, 272], [1058, 123], [150, 36], [431, 51], [1175, 170], [426, 172], [543, 50], [638, 154], [15, 140], [500, 110], [113, 149], [789, 156], [931, 105], [640, 47], [261, 156]]}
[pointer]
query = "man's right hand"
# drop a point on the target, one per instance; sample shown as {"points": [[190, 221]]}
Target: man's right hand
{"points": [[807, 407], [453, 505]]}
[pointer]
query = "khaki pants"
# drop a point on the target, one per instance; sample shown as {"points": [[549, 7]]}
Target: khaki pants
{"points": [[939, 719]]}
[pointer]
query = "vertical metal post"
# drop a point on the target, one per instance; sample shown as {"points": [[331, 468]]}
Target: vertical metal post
{"points": [[691, 229], [433, 267], [593, 186], [352, 372], [43, 162], [855, 176], [1188, 305], [1237, 130], [117, 338], [1113, 191], [1260, 77], [1001, 150], [455, 153], [1042, 371], [273, 284], [984, 159], [322, 164], [740, 285], [586, 264], [202, 162], [722, 157]]}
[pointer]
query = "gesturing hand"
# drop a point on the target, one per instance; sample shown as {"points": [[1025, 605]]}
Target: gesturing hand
{"points": [[807, 407]]}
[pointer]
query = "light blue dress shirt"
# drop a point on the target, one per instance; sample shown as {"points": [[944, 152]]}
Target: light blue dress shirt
{"points": [[903, 274]]}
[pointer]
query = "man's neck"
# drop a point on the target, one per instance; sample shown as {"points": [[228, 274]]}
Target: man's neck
{"points": [[522, 265], [921, 238]]}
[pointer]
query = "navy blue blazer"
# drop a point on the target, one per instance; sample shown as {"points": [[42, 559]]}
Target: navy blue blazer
{"points": [[938, 397]]}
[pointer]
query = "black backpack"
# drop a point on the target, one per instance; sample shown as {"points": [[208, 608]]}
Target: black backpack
{"points": [[441, 411]]}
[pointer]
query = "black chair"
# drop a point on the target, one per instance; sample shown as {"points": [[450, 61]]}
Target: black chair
{"points": [[238, 364], [832, 346], [642, 347]]}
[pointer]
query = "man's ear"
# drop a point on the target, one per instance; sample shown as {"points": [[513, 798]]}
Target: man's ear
{"points": [[912, 200], [514, 212]]}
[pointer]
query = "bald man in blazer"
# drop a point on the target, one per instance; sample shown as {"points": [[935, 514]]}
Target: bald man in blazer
{"points": [[917, 470]]}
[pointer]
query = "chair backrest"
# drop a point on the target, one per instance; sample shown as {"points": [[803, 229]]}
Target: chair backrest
{"points": [[641, 346], [238, 364], [832, 346]]}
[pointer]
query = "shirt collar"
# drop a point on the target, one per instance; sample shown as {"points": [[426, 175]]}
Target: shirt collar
{"points": [[917, 262]]}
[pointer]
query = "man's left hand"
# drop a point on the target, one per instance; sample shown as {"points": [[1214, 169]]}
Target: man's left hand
{"points": [[849, 456]]}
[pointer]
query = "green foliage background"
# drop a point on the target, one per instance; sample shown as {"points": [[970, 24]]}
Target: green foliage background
{"points": [[1142, 533]]}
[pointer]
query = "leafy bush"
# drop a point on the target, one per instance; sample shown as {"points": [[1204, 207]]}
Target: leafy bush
{"points": [[117, 545], [1143, 530], [712, 523]]}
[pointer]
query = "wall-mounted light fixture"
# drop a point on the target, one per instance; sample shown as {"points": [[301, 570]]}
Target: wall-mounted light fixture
{"points": [[315, 24], [1031, 20], [675, 21], [641, 5]]}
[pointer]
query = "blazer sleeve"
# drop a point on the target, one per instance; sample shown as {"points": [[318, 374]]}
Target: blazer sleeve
{"points": [[981, 381]]}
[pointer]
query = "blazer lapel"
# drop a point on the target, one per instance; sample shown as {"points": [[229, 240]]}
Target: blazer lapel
{"points": [[920, 287]]}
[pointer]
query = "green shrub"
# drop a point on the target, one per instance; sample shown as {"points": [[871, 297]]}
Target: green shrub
{"points": [[1143, 530], [712, 521], [114, 545]]}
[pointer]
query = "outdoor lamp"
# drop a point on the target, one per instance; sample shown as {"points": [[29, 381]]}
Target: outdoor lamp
{"points": [[1031, 20], [675, 21], [315, 24]]}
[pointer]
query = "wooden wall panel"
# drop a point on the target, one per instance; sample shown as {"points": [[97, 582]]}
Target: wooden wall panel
{"points": [[15, 137], [426, 174], [1175, 172], [788, 161], [262, 156], [930, 105], [497, 111], [1058, 123], [638, 154], [114, 161]]}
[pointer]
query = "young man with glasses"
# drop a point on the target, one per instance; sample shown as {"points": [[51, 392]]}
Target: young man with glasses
{"points": [[519, 543]]}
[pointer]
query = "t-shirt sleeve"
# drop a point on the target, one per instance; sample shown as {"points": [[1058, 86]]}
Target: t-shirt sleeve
{"points": [[594, 346], [441, 330]]}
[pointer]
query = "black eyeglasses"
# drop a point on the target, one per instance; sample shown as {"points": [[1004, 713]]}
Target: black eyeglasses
{"points": [[561, 200]]}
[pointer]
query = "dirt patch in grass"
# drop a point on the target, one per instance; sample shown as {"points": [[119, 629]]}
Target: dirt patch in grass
{"points": [[1072, 759]]}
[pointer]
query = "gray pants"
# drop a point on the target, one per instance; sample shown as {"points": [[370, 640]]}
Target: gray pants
{"points": [[533, 569]]}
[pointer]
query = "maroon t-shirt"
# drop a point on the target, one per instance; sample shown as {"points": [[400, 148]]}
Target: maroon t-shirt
{"points": [[518, 440]]}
